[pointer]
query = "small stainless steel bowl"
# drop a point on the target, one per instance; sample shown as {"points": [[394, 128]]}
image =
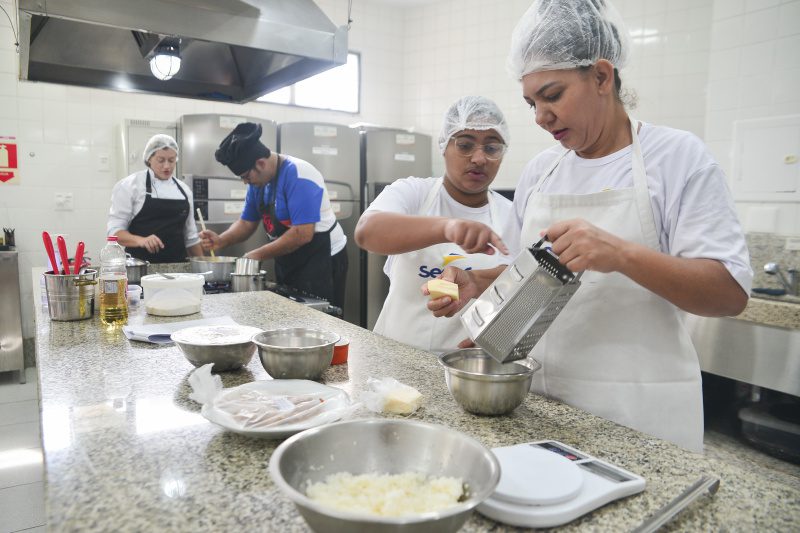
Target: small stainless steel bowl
{"points": [[383, 446], [230, 350], [482, 385], [295, 353]]}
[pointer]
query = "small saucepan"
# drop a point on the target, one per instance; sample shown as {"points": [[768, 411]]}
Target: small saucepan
{"points": [[137, 268], [248, 282]]}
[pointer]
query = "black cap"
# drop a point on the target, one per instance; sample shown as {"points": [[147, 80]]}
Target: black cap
{"points": [[241, 148]]}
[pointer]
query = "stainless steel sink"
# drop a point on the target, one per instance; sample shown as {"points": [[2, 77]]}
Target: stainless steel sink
{"points": [[762, 355]]}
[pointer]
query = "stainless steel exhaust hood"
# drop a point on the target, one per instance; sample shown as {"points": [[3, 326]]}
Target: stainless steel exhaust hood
{"points": [[231, 50]]}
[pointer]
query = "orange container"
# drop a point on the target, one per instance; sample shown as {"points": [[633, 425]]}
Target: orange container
{"points": [[340, 350]]}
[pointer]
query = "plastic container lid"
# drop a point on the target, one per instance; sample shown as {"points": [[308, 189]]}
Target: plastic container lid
{"points": [[180, 281]]}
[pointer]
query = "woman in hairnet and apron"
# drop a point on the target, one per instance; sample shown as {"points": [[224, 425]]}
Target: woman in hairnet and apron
{"points": [[425, 224], [644, 210], [151, 211]]}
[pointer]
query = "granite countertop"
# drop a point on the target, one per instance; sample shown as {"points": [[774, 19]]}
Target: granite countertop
{"points": [[125, 449], [778, 311]]}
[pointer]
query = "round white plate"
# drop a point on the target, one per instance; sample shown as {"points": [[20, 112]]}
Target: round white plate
{"points": [[335, 399]]}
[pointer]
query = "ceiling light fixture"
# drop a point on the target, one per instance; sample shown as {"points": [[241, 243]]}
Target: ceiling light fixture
{"points": [[166, 61]]}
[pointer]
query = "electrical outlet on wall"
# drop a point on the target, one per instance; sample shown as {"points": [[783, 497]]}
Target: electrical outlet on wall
{"points": [[64, 201], [792, 244]]}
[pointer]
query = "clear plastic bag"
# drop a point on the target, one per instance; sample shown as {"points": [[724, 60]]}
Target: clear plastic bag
{"points": [[387, 395]]}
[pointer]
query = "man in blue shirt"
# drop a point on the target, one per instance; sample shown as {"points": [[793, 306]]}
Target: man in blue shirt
{"points": [[288, 196]]}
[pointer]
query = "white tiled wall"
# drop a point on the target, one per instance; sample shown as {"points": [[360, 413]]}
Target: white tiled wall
{"points": [[696, 64], [754, 73], [458, 47]]}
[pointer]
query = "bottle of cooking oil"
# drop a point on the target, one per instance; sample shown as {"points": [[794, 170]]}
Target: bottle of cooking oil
{"points": [[113, 284]]}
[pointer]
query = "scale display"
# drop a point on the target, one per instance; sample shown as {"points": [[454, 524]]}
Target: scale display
{"points": [[547, 483]]}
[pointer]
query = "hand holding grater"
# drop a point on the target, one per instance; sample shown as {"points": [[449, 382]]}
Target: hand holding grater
{"points": [[510, 317]]}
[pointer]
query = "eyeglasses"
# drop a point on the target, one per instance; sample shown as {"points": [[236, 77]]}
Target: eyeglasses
{"points": [[246, 175], [467, 147]]}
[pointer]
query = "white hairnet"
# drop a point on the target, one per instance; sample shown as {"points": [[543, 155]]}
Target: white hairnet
{"points": [[156, 143], [565, 34], [473, 113]]}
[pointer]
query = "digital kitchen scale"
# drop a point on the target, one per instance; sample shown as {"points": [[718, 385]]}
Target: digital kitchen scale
{"points": [[547, 483]]}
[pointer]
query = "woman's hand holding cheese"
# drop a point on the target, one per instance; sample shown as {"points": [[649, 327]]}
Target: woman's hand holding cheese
{"points": [[471, 283]]}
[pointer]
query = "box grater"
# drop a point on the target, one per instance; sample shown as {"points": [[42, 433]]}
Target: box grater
{"points": [[510, 317]]}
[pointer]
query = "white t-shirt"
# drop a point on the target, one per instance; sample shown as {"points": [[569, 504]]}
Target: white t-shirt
{"points": [[407, 196], [692, 205], [127, 199]]}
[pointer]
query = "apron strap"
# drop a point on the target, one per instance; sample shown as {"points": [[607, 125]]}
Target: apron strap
{"points": [[646, 215]]}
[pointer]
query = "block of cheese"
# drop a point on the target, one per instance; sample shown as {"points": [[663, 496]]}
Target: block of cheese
{"points": [[402, 400], [440, 287]]}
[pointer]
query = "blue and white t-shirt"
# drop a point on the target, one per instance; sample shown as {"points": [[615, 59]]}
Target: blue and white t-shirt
{"points": [[301, 199]]}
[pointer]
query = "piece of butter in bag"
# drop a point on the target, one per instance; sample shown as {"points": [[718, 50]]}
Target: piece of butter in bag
{"points": [[440, 287], [402, 400]]}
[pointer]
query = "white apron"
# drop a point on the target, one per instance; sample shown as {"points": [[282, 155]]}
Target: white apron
{"points": [[404, 316], [618, 350]]}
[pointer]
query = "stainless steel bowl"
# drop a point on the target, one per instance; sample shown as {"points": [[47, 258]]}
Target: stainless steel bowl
{"points": [[231, 350], [220, 267], [482, 385], [383, 446], [295, 353]]}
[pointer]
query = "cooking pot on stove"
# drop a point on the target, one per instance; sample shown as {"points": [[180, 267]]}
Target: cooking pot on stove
{"points": [[248, 282], [247, 266], [221, 267], [136, 268]]}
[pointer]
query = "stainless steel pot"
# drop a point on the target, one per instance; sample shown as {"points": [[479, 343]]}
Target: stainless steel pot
{"points": [[221, 267], [247, 266], [71, 297], [248, 282], [136, 268]]}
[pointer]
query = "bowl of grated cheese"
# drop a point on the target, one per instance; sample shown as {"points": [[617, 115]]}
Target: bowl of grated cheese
{"points": [[380, 475]]}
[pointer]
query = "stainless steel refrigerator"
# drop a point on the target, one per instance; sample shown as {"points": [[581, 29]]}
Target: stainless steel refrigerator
{"points": [[217, 192], [386, 155], [334, 150]]}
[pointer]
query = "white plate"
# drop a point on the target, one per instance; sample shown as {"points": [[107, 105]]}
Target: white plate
{"points": [[334, 399]]}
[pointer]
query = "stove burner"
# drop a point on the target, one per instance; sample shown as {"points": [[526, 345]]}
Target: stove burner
{"points": [[216, 287]]}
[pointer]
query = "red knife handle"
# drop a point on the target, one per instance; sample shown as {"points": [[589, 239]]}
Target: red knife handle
{"points": [[62, 250], [51, 253], [79, 257]]}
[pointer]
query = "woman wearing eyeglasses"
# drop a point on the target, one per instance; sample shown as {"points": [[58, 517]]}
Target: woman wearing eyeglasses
{"points": [[426, 224]]}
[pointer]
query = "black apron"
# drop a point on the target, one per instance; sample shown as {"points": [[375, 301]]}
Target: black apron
{"points": [[309, 268], [164, 218]]}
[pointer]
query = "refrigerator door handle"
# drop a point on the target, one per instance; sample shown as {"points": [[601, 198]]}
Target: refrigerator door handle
{"points": [[342, 184]]}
